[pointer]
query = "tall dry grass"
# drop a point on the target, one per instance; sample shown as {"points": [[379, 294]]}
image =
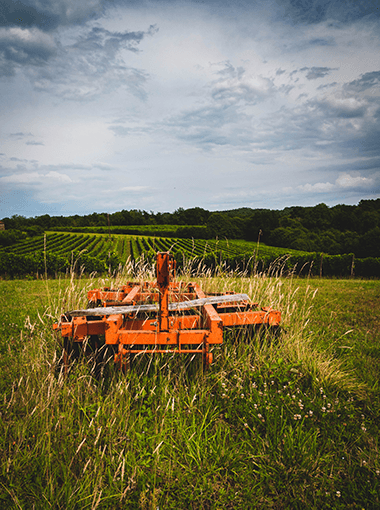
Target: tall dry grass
{"points": [[273, 413]]}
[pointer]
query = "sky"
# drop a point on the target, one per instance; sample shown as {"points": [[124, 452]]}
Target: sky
{"points": [[132, 104]]}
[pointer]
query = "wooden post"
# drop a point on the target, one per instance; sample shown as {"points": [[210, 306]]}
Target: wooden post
{"points": [[45, 256], [109, 229]]}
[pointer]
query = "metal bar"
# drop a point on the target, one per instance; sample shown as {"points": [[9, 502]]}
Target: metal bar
{"points": [[131, 295], [181, 305], [161, 351], [137, 337], [212, 318], [175, 322], [163, 282], [270, 317]]}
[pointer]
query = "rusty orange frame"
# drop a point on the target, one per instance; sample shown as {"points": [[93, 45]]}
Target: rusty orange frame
{"points": [[162, 331]]}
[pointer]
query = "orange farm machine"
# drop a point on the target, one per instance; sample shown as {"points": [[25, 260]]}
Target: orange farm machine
{"points": [[163, 316]]}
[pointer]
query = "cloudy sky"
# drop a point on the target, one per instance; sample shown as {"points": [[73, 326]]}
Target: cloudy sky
{"points": [[120, 104]]}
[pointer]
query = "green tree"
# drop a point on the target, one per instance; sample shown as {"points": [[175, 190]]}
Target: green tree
{"points": [[343, 217], [318, 217], [370, 244], [220, 225]]}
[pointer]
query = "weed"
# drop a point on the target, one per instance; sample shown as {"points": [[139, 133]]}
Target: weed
{"points": [[284, 421]]}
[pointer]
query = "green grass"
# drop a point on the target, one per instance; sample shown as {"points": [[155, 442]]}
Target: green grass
{"points": [[288, 422]]}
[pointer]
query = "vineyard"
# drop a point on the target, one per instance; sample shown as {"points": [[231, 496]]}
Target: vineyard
{"points": [[176, 231], [57, 252]]}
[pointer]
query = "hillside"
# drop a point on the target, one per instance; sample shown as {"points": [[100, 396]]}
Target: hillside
{"points": [[334, 230], [56, 252]]}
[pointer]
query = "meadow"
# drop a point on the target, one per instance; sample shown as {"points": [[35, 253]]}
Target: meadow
{"points": [[277, 422]]}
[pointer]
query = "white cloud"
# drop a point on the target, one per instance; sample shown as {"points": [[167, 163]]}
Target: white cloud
{"points": [[348, 181], [93, 64], [344, 181], [134, 188], [36, 178], [129, 189], [32, 37], [24, 46], [24, 178], [48, 15], [319, 187], [58, 177]]}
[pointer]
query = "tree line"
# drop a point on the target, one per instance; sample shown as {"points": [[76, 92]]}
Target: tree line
{"points": [[334, 230]]}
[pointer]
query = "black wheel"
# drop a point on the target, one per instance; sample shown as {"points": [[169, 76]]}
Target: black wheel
{"points": [[71, 353]]}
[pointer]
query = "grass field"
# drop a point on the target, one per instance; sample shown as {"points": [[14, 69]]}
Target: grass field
{"points": [[282, 423]]}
